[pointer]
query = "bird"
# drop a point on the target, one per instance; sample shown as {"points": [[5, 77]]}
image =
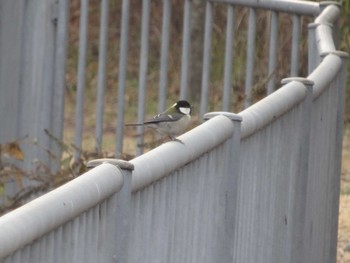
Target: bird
{"points": [[172, 122]]}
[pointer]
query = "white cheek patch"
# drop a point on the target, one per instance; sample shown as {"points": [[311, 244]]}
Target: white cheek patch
{"points": [[185, 110]]}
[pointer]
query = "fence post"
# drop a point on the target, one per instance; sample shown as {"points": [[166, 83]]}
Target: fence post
{"points": [[226, 248], [206, 58], [120, 211], [250, 58], [123, 57], [298, 186]]}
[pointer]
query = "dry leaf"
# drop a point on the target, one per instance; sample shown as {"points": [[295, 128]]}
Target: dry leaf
{"points": [[12, 149]]}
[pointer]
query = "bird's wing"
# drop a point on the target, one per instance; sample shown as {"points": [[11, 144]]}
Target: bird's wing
{"points": [[163, 117]]}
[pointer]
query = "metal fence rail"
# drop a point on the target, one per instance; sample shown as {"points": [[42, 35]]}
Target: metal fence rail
{"points": [[258, 186], [272, 180], [77, 222]]}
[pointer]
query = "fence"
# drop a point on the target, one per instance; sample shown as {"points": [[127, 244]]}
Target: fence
{"points": [[52, 50], [296, 10], [259, 186], [82, 210]]}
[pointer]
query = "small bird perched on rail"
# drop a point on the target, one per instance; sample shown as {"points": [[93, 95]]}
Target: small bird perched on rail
{"points": [[172, 122]]}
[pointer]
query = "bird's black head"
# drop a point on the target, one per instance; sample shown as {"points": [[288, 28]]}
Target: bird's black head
{"points": [[183, 106]]}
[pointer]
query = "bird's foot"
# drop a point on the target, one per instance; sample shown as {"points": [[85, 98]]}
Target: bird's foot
{"points": [[176, 140]]}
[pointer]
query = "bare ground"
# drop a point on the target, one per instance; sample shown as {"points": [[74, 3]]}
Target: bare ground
{"points": [[344, 209]]}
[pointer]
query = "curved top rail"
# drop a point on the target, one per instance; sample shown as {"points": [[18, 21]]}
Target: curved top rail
{"points": [[331, 65], [324, 38], [157, 163], [324, 28], [287, 6], [38, 217], [329, 14], [266, 110]]}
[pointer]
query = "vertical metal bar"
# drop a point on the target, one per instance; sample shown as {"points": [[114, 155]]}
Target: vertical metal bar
{"points": [[83, 31], [81, 237], [143, 74], [163, 78], [74, 238], [185, 49], [206, 58], [272, 52], [250, 57], [50, 246], [163, 75], [226, 96], [101, 83], [67, 235], [105, 219], [58, 243], [295, 46], [60, 75], [313, 57], [98, 226], [123, 54], [43, 110]]}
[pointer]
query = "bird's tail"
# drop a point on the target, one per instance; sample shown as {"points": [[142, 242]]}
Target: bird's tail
{"points": [[134, 124]]}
